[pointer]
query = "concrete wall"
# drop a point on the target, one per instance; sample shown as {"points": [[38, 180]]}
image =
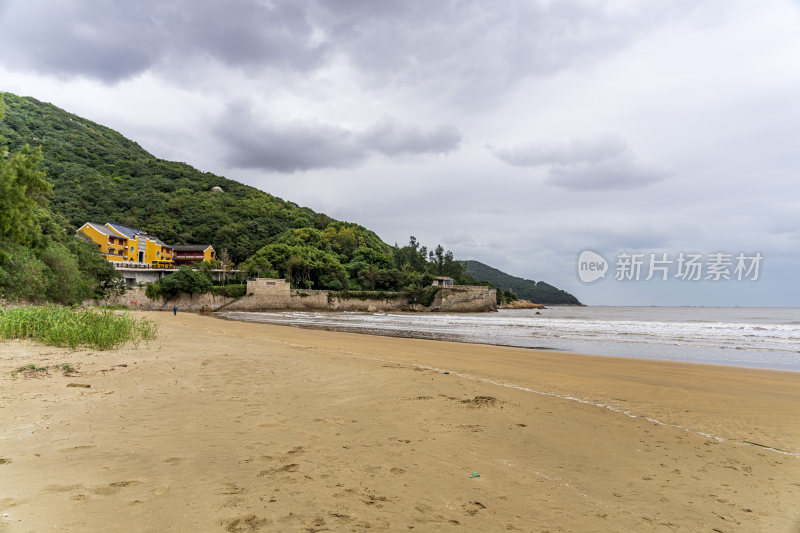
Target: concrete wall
{"points": [[269, 287], [465, 299]]}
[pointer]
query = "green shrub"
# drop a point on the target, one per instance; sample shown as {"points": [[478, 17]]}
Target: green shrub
{"points": [[63, 326], [22, 275], [184, 281], [423, 296], [66, 284], [230, 291], [366, 295]]}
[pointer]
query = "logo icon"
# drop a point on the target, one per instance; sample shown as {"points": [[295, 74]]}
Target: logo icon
{"points": [[591, 266]]}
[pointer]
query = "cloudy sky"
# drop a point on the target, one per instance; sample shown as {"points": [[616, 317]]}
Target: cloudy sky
{"points": [[517, 133]]}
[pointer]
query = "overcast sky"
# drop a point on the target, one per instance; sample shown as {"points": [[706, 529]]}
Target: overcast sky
{"points": [[514, 133]]}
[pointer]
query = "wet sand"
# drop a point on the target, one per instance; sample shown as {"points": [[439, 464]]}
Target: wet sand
{"points": [[232, 426]]}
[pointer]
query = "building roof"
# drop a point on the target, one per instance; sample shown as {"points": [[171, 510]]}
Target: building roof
{"points": [[128, 231], [131, 233], [102, 229], [191, 247], [444, 278]]}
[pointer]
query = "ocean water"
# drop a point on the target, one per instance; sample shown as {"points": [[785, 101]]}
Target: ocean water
{"points": [[752, 337]]}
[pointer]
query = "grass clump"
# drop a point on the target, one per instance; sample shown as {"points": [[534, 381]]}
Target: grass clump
{"points": [[63, 326], [29, 371]]}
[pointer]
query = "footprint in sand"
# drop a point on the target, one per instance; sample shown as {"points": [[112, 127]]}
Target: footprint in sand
{"points": [[113, 488], [472, 508], [246, 523], [293, 467], [161, 490], [77, 448], [231, 488]]}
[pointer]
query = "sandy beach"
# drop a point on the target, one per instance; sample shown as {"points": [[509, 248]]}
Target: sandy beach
{"points": [[230, 426]]}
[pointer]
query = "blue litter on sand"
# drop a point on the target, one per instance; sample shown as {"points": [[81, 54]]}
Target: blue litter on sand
{"points": [[475, 474]]}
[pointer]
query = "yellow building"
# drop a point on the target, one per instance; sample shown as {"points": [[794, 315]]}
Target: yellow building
{"points": [[131, 245], [186, 254]]}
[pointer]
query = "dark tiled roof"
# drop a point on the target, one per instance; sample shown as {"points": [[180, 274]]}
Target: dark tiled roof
{"points": [[102, 229], [128, 231], [131, 233], [191, 247]]}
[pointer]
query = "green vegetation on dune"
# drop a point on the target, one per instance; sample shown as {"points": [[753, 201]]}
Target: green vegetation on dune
{"points": [[539, 292], [63, 326]]}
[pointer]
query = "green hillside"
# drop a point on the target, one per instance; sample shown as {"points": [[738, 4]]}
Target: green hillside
{"points": [[539, 292], [100, 176]]}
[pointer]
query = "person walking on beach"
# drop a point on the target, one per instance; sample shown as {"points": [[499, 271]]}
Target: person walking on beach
{"points": [[175, 310]]}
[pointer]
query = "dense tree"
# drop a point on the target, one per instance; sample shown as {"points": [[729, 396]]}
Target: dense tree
{"points": [[184, 281], [37, 260], [22, 190]]}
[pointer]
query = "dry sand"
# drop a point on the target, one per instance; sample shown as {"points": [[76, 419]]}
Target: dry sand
{"points": [[229, 426]]}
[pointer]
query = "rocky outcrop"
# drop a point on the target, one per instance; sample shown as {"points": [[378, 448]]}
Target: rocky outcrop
{"points": [[521, 304]]}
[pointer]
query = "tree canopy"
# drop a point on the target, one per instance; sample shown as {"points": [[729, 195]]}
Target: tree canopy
{"points": [[37, 260]]}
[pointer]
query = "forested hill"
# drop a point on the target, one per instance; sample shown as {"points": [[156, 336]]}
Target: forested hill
{"points": [[539, 292], [99, 175]]}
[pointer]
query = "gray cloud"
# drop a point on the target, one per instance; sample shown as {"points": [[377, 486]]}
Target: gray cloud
{"points": [[287, 147], [568, 152], [389, 137], [599, 163], [610, 174], [112, 41], [449, 50], [471, 52], [297, 146]]}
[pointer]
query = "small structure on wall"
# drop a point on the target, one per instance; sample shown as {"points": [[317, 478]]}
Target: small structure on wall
{"points": [[186, 254], [443, 281], [268, 287]]}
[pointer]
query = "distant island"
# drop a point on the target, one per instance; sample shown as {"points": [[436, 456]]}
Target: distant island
{"points": [[92, 173]]}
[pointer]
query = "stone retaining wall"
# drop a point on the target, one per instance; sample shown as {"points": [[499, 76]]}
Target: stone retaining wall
{"points": [[137, 299], [281, 298]]}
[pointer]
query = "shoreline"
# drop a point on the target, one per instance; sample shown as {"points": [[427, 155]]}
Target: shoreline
{"points": [[602, 348], [229, 425]]}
